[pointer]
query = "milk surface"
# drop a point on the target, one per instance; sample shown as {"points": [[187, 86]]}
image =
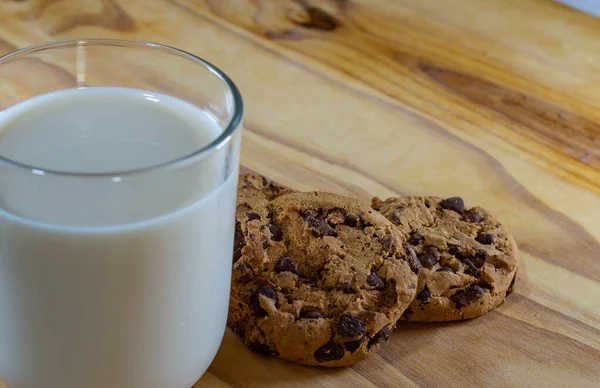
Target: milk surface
{"points": [[115, 280]]}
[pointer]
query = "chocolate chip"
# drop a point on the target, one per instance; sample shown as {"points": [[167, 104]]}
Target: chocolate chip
{"points": [[485, 285], [387, 242], [480, 257], [485, 238], [262, 349], [454, 203], [310, 213], [348, 288], [473, 216], [350, 326], [276, 234], [472, 259], [407, 313], [329, 352], [382, 336], [427, 260], [340, 210], [395, 218], [389, 296], [311, 315], [286, 264], [461, 255], [445, 269], [480, 253], [416, 239], [265, 181], [238, 242], [353, 346], [320, 227], [242, 272], [453, 249], [424, 295], [376, 281], [464, 297], [253, 216], [352, 220], [471, 268], [413, 260], [267, 292], [432, 250]]}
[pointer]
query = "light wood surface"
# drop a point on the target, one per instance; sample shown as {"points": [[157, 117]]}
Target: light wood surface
{"points": [[494, 100]]}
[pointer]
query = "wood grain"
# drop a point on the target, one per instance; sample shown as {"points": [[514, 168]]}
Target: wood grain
{"points": [[496, 101]]}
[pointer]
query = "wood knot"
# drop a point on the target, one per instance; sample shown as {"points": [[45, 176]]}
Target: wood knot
{"points": [[314, 18]]}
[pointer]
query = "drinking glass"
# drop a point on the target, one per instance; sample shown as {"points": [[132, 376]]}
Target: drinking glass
{"points": [[118, 276]]}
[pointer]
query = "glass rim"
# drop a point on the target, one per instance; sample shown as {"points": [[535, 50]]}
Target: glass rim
{"points": [[224, 138]]}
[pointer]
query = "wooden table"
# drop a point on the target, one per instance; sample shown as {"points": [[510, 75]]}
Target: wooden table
{"points": [[493, 100]]}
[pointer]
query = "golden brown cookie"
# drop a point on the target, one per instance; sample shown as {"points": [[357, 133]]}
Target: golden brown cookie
{"points": [[254, 192], [321, 280], [469, 260]]}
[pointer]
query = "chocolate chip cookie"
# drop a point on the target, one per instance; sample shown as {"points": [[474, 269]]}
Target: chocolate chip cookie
{"points": [[254, 192], [469, 260], [321, 279]]}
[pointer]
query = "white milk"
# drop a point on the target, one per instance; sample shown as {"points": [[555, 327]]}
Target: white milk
{"points": [[117, 281]]}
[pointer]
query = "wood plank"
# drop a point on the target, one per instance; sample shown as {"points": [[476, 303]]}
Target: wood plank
{"points": [[493, 100]]}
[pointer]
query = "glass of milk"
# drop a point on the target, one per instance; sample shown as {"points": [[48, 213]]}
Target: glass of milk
{"points": [[118, 173]]}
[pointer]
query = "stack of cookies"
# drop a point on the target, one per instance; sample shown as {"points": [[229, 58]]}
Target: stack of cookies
{"points": [[322, 279]]}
